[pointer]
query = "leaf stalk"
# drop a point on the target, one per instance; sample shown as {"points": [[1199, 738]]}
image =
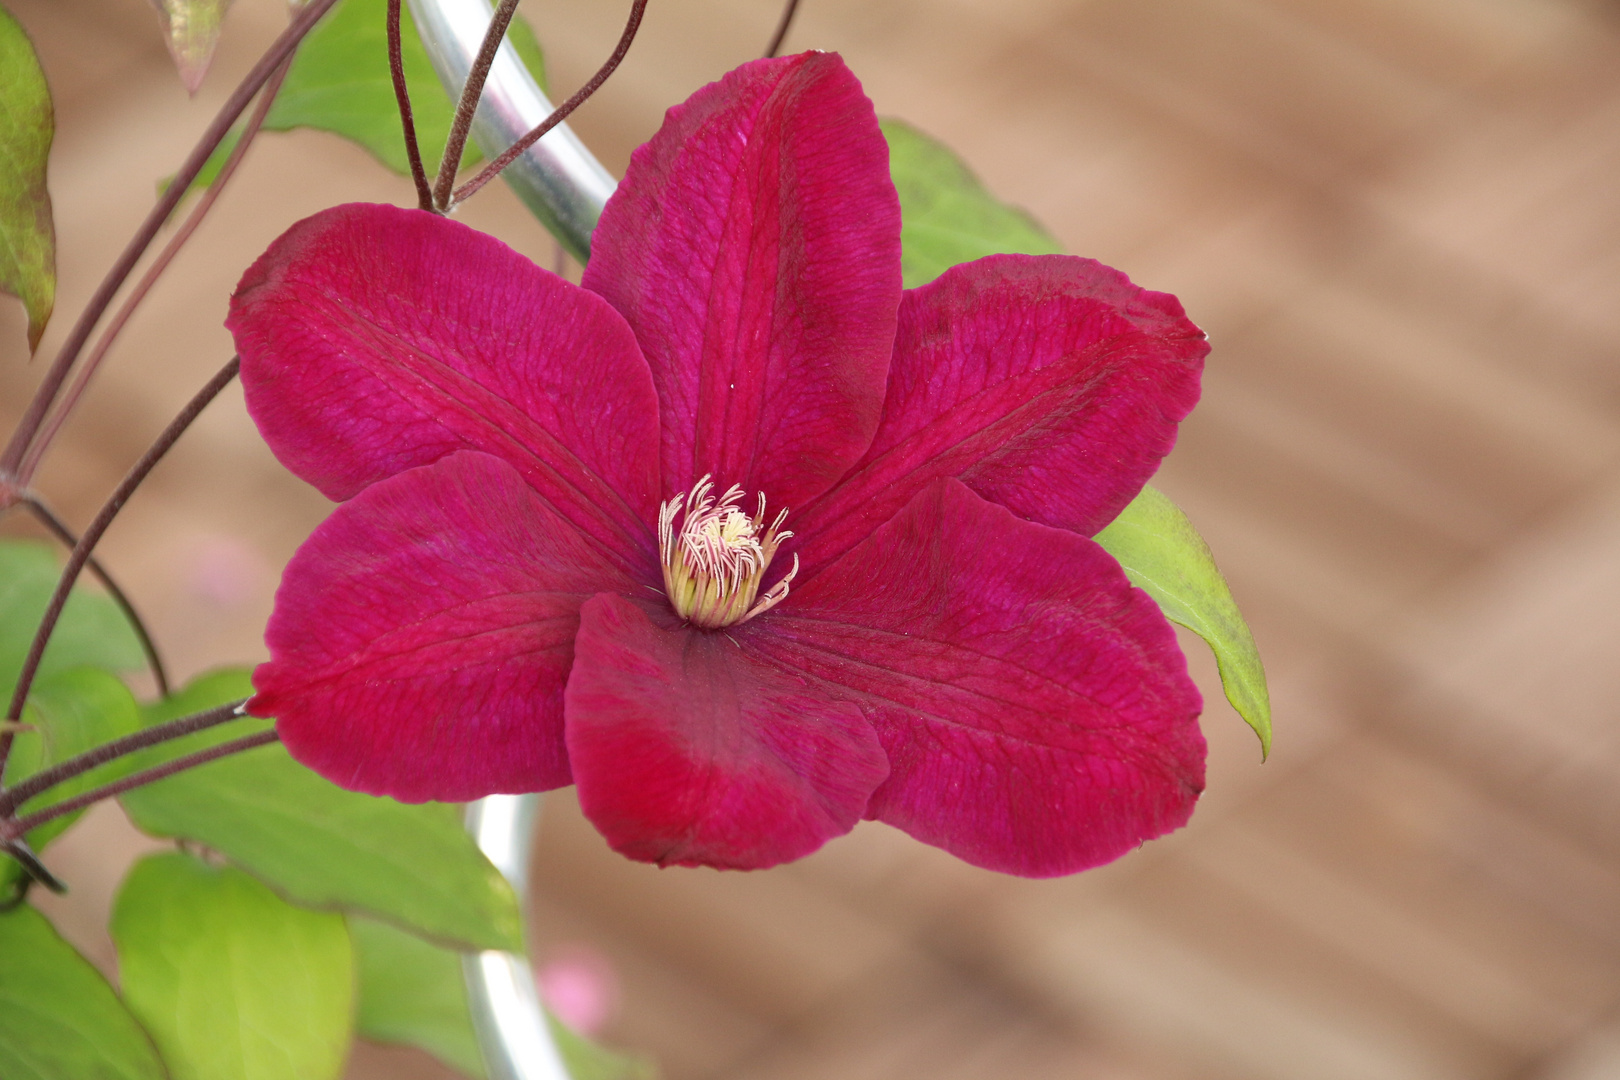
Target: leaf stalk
{"points": [[59, 415], [45, 396], [13, 829], [13, 797], [468, 105], [59, 529], [92, 536], [558, 115], [402, 95]]}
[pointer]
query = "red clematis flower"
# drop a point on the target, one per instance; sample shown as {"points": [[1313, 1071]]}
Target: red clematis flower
{"points": [[562, 554]]}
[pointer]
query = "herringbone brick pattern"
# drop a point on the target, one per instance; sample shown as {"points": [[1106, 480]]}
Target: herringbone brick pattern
{"points": [[1400, 224]]}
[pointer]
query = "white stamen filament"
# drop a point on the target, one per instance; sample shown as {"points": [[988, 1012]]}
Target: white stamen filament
{"points": [[715, 559]]}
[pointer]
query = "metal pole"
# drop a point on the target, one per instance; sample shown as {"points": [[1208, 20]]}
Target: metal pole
{"points": [[512, 1031], [566, 188], [557, 178]]}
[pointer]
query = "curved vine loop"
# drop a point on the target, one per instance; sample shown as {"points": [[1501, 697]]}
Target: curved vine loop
{"points": [[564, 185]]}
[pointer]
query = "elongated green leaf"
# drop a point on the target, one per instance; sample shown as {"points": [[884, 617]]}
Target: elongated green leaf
{"points": [[191, 30], [73, 714], [587, 1060], [320, 845], [233, 982], [59, 1020], [68, 713], [92, 630], [1164, 556], [413, 993], [946, 215], [340, 83], [27, 125]]}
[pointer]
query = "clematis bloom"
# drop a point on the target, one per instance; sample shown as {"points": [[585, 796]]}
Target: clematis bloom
{"points": [[739, 537]]}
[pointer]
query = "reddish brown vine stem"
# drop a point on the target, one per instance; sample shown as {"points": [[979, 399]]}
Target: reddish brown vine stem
{"points": [[782, 29], [43, 514], [59, 415], [471, 91], [57, 375], [16, 828], [18, 849], [13, 797], [402, 95], [493, 169], [92, 536]]}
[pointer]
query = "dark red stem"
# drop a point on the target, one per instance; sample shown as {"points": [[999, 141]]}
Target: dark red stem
{"points": [[782, 29], [17, 828], [493, 169], [402, 94], [18, 849], [51, 385], [69, 401], [60, 530], [92, 536], [45, 779], [468, 105]]}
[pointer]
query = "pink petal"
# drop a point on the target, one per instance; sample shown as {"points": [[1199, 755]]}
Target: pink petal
{"points": [[1036, 711], [375, 339], [688, 750], [1048, 384], [754, 246], [422, 636]]}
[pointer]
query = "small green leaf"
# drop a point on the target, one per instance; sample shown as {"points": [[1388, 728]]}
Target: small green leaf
{"points": [[59, 1020], [521, 35], [947, 218], [413, 992], [320, 845], [587, 1060], [1164, 556], [82, 709], [191, 30], [946, 215], [92, 631], [233, 982], [27, 125], [68, 713], [340, 83]]}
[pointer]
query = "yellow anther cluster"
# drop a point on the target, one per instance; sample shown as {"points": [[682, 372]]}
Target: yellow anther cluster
{"points": [[716, 557]]}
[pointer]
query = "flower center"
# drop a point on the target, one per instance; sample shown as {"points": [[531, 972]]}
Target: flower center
{"points": [[716, 556]]}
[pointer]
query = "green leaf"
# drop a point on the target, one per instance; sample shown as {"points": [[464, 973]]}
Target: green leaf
{"points": [[59, 1020], [340, 83], [413, 992], [72, 707], [587, 1060], [521, 35], [1164, 556], [233, 982], [69, 713], [947, 217], [27, 125], [320, 845], [92, 631], [191, 30]]}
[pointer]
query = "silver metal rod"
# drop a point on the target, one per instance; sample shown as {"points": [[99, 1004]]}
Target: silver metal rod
{"points": [[559, 180], [512, 1031], [564, 185]]}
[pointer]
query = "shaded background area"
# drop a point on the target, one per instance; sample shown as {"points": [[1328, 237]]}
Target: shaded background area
{"points": [[1399, 222]]}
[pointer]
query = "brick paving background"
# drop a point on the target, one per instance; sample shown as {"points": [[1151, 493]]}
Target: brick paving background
{"points": [[1399, 220]]}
